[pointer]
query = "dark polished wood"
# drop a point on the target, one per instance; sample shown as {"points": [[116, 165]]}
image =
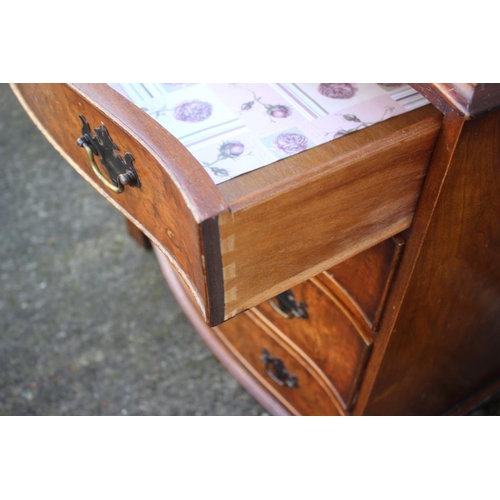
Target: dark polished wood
{"points": [[249, 336], [444, 343], [333, 338], [397, 324], [468, 99], [367, 277], [169, 207]]}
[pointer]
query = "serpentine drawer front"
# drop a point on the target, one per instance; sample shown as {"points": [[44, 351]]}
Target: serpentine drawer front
{"points": [[290, 376], [328, 333], [242, 242]]}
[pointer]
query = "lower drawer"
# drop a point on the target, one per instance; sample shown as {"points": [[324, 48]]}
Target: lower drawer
{"points": [[291, 378], [327, 333]]}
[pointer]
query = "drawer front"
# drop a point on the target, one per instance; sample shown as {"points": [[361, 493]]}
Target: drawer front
{"points": [[366, 277], [328, 334], [291, 378], [161, 204]]}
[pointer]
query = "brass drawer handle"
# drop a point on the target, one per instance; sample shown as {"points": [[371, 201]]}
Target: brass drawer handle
{"points": [[286, 305], [277, 371], [120, 170]]}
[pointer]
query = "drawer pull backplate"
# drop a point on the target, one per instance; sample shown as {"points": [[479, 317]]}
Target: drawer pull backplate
{"points": [[276, 369], [121, 171], [286, 305]]}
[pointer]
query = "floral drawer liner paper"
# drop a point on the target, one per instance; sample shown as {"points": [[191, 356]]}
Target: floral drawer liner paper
{"points": [[234, 128]]}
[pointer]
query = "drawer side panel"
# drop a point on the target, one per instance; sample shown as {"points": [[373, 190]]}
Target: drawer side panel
{"points": [[341, 209]]}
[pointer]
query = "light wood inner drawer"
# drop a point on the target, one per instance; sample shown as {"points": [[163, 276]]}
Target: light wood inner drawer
{"points": [[293, 380], [246, 240], [329, 334]]}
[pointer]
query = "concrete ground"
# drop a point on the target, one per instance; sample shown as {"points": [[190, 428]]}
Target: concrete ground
{"points": [[87, 323]]}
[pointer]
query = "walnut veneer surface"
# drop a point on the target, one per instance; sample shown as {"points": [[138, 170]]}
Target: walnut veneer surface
{"points": [[388, 238]]}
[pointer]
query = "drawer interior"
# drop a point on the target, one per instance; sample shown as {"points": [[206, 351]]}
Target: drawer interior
{"points": [[235, 128]]}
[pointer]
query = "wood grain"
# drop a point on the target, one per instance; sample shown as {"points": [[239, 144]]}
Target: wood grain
{"points": [[437, 346], [330, 336], [177, 203], [236, 244], [367, 276], [442, 344], [469, 99], [336, 206], [248, 336]]}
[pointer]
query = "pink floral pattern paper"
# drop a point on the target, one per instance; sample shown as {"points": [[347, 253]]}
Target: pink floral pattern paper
{"points": [[232, 129]]}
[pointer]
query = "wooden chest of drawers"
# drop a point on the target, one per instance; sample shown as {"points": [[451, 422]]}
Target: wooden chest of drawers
{"points": [[366, 289]]}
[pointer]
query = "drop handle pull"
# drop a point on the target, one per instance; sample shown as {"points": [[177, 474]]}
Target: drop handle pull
{"points": [[120, 171], [277, 370], [286, 305]]}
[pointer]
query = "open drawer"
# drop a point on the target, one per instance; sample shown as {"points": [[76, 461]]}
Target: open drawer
{"points": [[244, 241]]}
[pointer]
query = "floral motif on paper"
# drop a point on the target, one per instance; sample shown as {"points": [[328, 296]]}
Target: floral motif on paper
{"points": [[272, 110], [290, 143], [233, 150], [193, 111], [337, 90], [189, 112], [349, 117]]}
